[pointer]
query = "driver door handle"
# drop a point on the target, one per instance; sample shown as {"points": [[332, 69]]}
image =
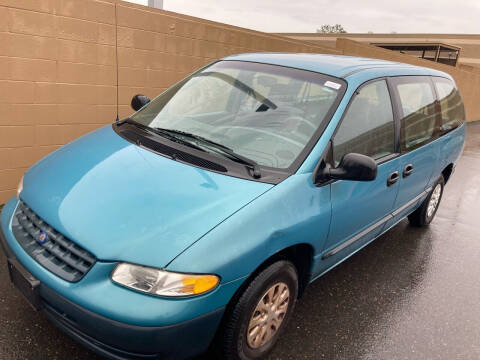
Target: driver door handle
{"points": [[393, 178], [407, 170]]}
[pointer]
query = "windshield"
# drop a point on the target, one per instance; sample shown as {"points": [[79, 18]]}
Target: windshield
{"points": [[262, 112]]}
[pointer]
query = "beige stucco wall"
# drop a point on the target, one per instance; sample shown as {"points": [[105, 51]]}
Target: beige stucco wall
{"points": [[59, 61]]}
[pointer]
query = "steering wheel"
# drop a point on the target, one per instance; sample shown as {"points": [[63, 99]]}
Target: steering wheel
{"points": [[301, 120]]}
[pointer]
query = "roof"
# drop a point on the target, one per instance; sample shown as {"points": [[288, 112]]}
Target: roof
{"points": [[335, 65]]}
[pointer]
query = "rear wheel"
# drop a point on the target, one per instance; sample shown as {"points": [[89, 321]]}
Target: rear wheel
{"points": [[424, 215], [254, 323]]}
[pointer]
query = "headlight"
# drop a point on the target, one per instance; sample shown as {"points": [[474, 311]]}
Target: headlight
{"points": [[162, 283], [19, 188]]}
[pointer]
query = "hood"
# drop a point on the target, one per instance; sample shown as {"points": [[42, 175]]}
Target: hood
{"points": [[125, 203]]}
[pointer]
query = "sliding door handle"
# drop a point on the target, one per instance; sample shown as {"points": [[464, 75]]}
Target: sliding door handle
{"points": [[393, 178], [407, 170]]}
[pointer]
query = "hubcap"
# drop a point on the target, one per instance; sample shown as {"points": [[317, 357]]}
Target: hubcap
{"points": [[434, 200], [268, 315]]}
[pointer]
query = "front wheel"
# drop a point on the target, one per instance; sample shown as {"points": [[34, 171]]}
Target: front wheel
{"points": [[424, 215], [254, 323]]}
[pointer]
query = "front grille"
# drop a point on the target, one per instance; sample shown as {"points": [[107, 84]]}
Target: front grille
{"points": [[58, 254]]}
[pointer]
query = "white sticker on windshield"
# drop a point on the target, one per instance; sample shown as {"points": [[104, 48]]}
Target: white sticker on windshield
{"points": [[333, 85]]}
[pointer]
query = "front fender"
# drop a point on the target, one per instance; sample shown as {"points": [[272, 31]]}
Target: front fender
{"points": [[293, 212]]}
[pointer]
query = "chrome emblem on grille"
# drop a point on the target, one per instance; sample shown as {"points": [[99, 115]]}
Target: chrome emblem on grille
{"points": [[42, 238]]}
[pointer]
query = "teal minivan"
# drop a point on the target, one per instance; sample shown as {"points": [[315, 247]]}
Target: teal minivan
{"points": [[198, 221]]}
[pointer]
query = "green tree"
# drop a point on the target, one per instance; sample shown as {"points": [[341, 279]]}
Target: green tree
{"points": [[331, 29]]}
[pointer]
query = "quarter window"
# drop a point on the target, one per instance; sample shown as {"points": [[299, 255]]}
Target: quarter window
{"points": [[367, 128], [418, 107], [451, 104]]}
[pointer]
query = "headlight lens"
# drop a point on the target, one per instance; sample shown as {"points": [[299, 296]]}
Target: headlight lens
{"points": [[162, 283], [19, 188]]}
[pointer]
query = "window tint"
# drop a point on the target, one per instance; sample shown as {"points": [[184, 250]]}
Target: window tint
{"points": [[368, 126], [451, 104], [418, 107]]}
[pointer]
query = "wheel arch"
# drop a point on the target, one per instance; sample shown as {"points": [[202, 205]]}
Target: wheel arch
{"points": [[447, 172], [300, 255]]}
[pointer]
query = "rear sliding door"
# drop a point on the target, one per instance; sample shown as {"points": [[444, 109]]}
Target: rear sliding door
{"points": [[417, 109]]}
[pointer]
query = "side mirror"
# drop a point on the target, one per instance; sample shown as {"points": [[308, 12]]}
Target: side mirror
{"points": [[139, 101], [353, 166]]}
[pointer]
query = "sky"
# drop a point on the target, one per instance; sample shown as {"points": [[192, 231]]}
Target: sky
{"points": [[356, 16]]}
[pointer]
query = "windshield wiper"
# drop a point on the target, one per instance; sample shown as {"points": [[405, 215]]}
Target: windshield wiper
{"points": [[244, 160], [242, 87], [164, 133], [193, 136], [225, 149], [170, 134]]}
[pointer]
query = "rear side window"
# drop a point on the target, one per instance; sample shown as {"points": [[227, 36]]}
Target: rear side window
{"points": [[417, 105], [451, 105], [367, 127]]}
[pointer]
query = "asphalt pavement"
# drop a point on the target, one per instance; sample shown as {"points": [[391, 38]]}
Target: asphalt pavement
{"points": [[411, 294]]}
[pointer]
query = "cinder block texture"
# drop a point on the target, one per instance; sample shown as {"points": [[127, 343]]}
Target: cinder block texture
{"points": [[58, 78]]}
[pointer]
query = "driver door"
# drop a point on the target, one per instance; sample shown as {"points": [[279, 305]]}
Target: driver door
{"points": [[361, 209]]}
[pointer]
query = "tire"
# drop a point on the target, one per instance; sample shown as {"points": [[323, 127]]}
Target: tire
{"points": [[423, 216], [233, 342]]}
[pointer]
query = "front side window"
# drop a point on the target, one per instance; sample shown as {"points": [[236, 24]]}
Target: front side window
{"points": [[367, 127], [417, 104], [451, 104], [265, 113]]}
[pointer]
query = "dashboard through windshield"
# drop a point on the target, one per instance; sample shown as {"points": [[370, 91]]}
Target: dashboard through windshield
{"points": [[265, 113]]}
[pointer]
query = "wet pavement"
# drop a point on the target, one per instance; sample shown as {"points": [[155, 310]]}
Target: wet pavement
{"points": [[411, 294]]}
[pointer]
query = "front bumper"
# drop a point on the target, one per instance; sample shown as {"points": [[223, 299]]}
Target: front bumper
{"points": [[117, 340], [167, 335]]}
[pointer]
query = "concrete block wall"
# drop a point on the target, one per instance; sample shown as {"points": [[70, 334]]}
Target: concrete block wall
{"points": [[57, 78], [58, 67]]}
